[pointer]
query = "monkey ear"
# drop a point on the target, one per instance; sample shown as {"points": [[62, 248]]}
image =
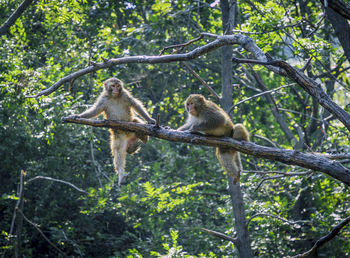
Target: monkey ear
{"points": [[201, 98]]}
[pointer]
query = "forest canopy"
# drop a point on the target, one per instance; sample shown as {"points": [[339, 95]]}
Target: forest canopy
{"points": [[281, 68]]}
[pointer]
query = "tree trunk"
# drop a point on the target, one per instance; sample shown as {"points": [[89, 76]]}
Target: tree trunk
{"points": [[341, 29], [229, 11]]}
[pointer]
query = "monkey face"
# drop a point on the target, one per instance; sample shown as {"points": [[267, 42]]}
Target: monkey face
{"points": [[194, 103], [191, 108], [113, 86], [114, 89]]}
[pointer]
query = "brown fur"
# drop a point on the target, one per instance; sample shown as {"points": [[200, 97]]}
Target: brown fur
{"points": [[116, 103], [208, 118]]}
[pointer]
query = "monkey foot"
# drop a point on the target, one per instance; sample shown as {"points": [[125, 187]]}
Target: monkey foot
{"points": [[134, 147], [122, 176]]}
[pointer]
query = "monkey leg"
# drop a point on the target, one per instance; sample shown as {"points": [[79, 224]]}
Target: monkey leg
{"points": [[118, 147], [142, 137], [231, 162]]}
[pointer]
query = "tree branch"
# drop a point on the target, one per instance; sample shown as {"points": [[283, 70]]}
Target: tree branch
{"points": [[16, 14], [220, 235], [339, 6], [277, 66], [277, 217], [306, 160], [325, 238], [210, 89], [41, 233], [308, 84], [57, 180], [258, 95]]}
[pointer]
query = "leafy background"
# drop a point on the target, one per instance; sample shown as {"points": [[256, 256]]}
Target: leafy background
{"points": [[174, 190]]}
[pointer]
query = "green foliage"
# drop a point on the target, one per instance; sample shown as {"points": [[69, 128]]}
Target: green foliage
{"points": [[173, 190]]}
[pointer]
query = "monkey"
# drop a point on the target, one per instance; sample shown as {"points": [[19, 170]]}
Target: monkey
{"points": [[205, 117], [117, 103]]}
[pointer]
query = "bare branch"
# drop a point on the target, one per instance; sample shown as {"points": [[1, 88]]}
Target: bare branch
{"points": [[325, 238], [277, 66], [41, 233], [269, 31], [12, 19], [210, 89], [180, 47], [306, 160], [57, 180], [277, 217], [220, 41], [308, 84], [259, 94], [278, 172], [220, 235], [335, 156], [19, 201]]}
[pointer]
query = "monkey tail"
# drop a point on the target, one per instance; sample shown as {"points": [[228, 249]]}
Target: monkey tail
{"points": [[240, 132], [231, 162]]}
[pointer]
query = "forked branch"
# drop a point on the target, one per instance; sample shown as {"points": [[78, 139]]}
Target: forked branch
{"points": [[320, 242], [277, 66]]}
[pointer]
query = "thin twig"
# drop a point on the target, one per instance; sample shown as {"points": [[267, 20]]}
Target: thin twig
{"points": [[42, 234], [277, 172], [57, 180], [210, 89], [320, 242], [277, 217], [306, 64], [268, 31], [258, 95], [220, 235], [179, 47]]}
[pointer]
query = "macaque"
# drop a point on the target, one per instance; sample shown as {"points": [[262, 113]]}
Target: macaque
{"points": [[116, 103], [208, 118]]}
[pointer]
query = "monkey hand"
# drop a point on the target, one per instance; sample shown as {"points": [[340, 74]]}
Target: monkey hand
{"points": [[151, 121], [122, 176]]}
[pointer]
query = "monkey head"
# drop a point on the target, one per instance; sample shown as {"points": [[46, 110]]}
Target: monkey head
{"points": [[194, 104], [113, 87]]}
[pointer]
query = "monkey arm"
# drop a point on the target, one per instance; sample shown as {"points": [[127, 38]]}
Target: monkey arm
{"points": [[95, 110], [141, 110]]}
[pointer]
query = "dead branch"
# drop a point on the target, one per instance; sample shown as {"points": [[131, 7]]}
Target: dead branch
{"points": [[180, 47], [325, 238], [277, 217], [220, 235], [19, 201], [41, 233], [210, 89], [57, 180], [291, 157], [258, 95]]}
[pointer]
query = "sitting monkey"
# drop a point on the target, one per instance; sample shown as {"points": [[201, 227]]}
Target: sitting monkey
{"points": [[208, 118], [116, 103]]}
